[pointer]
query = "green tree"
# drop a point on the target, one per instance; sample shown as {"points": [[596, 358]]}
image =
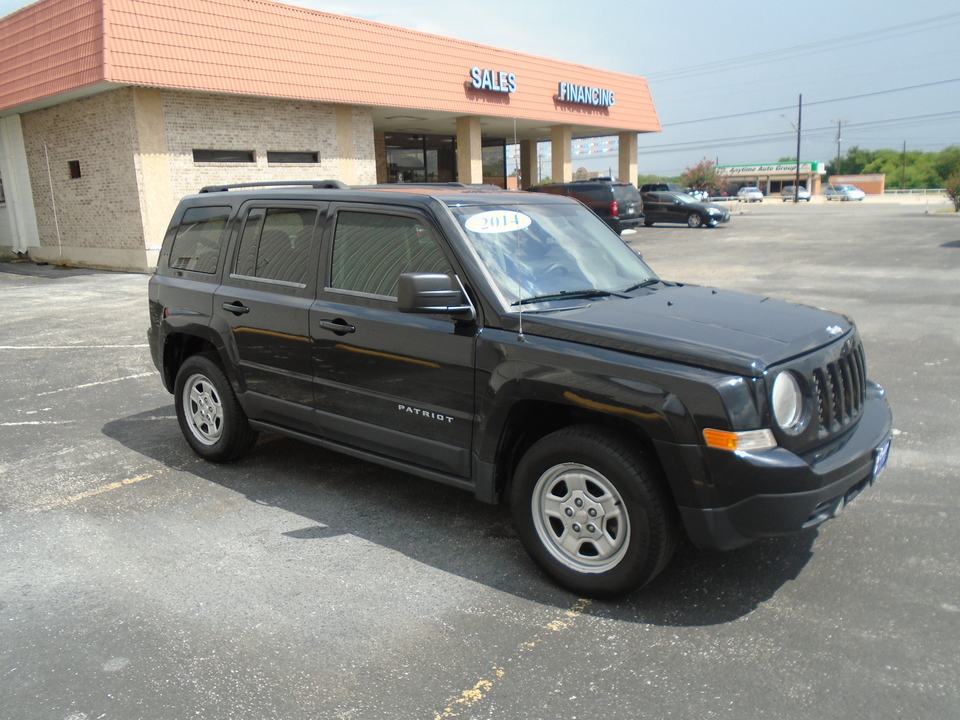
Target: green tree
{"points": [[644, 179], [910, 169], [703, 176], [953, 189], [947, 163]]}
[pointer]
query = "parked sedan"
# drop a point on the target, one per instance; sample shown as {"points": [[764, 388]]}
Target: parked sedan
{"points": [[799, 192], [750, 194], [843, 192], [675, 207]]}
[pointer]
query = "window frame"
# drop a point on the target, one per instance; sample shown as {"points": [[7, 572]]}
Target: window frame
{"points": [[266, 206], [227, 213], [410, 213], [249, 157]]}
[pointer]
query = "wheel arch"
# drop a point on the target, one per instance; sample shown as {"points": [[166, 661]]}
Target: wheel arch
{"points": [[530, 420], [180, 345]]}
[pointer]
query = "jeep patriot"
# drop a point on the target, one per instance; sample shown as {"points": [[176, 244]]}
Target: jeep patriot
{"points": [[512, 345]]}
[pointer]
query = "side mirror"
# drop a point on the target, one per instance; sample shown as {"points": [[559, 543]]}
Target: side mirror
{"points": [[435, 293]]}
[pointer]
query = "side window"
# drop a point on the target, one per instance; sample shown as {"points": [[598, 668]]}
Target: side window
{"points": [[196, 246], [597, 193], [275, 244], [371, 250]]}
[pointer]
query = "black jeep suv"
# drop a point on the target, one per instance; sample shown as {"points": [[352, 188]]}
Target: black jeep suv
{"points": [[511, 345]]}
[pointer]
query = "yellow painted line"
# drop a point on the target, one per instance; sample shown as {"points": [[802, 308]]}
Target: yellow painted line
{"points": [[110, 487], [469, 698], [99, 491]]}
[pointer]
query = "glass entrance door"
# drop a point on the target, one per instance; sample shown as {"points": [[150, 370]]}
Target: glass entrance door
{"points": [[433, 158]]}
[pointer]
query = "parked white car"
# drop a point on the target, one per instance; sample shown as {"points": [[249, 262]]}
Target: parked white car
{"points": [[843, 192], [750, 194], [789, 192]]}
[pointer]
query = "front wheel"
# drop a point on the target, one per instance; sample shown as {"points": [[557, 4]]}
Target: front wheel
{"points": [[694, 220], [591, 513], [209, 413]]}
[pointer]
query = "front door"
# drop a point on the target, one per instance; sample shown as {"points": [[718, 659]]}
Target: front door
{"points": [[398, 384]]}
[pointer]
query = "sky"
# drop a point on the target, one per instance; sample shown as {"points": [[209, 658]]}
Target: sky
{"points": [[727, 77]]}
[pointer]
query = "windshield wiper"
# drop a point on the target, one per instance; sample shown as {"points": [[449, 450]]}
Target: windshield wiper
{"points": [[565, 295], [645, 283]]}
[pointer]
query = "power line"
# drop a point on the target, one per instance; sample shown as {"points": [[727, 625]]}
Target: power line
{"points": [[809, 48], [817, 102], [783, 135]]}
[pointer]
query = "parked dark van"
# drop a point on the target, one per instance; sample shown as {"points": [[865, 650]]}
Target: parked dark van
{"points": [[617, 203]]}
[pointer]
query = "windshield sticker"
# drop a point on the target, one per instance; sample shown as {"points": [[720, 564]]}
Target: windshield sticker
{"points": [[497, 221]]}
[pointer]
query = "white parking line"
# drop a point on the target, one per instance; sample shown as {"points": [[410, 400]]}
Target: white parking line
{"points": [[71, 347], [96, 384]]}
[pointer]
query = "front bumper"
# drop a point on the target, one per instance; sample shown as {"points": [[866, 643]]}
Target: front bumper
{"points": [[789, 493]]}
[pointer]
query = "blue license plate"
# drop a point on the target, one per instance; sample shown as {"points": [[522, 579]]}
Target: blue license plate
{"points": [[880, 456]]}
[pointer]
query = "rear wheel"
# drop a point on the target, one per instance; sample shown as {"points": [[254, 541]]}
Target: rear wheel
{"points": [[590, 511], [694, 220], [209, 413]]}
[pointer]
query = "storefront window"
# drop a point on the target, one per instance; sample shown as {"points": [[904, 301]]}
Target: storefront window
{"points": [[495, 162], [420, 158], [433, 158]]}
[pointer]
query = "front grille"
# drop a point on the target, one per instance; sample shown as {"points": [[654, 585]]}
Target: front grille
{"points": [[840, 389]]}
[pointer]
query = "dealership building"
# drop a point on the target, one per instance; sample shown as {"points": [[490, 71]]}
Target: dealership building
{"points": [[111, 110], [772, 177]]}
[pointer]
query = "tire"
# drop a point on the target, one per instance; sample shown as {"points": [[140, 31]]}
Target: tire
{"points": [[694, 220], [648, 223], [591, 512], [209, 413]]}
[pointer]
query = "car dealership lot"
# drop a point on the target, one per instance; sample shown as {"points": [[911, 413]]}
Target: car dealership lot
{"points": [[139, 582]]}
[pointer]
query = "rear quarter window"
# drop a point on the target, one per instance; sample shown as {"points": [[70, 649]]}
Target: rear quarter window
{"points": [[196, 246], [597, 193]]}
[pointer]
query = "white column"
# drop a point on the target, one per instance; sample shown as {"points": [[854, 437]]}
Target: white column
{"points": [[561, 142], [469, 150]]}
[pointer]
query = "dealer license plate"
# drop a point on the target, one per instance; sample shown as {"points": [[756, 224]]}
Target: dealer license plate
{"points": [[880, 456]]}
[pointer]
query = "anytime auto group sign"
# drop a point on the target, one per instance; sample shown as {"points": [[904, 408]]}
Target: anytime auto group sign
{"points": [[808, 167]]}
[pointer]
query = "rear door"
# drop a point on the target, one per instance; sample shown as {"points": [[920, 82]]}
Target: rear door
{"points": [[265, 303], [656, 207], [397, 384]]}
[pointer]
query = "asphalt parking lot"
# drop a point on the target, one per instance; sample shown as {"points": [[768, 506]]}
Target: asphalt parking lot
{"points": [[139, 582]]}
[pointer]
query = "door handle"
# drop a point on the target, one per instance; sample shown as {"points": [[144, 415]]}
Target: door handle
{"points": [[236, 307], [337, 326]]}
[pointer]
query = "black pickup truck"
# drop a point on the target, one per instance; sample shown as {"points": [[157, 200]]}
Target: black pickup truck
{"points": [[512, 345]]}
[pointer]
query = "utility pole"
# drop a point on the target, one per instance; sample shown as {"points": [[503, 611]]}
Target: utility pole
{"points": [[796, 184], [903, 167], [839, 123]]}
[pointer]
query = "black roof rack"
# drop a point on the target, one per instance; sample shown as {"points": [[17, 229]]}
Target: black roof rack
{"points": [[315, 184]]}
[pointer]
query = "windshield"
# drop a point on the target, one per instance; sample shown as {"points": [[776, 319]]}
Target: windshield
{"points": [[550, 251], [685, 199]]}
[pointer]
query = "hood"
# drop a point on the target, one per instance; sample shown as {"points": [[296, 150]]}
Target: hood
{"points": [[724, 330]]}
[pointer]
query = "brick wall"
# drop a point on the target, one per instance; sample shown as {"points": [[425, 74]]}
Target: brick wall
{"points": [[101, 208], [223, 122]]}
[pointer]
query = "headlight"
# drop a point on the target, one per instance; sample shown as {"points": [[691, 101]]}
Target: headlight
{"points": [[787, 401]]}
